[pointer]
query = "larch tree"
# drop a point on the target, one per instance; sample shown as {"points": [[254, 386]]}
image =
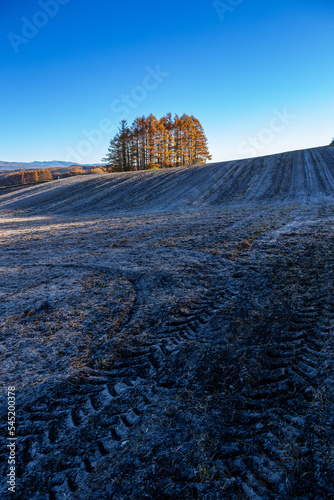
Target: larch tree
{"points": [[151, 143]]}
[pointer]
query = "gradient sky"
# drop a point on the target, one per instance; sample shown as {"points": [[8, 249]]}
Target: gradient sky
{"points": [[258, 75]]}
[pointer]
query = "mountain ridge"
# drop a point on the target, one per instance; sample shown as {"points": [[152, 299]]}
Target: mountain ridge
{"points": [[8, 165]]}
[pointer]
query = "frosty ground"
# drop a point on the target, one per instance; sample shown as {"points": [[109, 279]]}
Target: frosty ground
{"points": [[170, 334]]}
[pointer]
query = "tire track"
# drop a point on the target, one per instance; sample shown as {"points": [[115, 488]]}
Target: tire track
{"points": [[280, 408], [112, 401]]}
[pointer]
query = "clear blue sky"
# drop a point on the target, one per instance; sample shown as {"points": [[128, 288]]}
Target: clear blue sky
{"points": [[258, 74]]}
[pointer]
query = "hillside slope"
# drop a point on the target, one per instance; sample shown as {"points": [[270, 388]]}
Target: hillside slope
{"points": [[306, 175]]}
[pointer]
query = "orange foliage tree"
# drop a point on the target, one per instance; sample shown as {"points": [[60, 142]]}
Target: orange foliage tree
{"points": [[153, 143]]}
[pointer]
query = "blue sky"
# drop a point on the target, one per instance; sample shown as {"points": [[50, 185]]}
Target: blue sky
{"points": [[258, 74]]}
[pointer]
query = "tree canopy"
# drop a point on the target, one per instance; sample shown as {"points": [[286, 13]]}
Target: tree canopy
{"points": [[152, 143]]}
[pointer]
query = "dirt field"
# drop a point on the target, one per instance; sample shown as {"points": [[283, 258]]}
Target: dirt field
{"points": [[170, 334]]}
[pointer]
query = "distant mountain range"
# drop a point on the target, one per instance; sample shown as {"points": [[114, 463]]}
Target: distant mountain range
{"points": [[6, 165]]}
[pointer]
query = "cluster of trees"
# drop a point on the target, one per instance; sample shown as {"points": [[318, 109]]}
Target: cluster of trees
{"points": [[25, 177], [332, 143], [152, 143]]}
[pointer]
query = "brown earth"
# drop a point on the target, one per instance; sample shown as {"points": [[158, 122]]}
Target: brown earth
{"points": [[172, 350]]}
